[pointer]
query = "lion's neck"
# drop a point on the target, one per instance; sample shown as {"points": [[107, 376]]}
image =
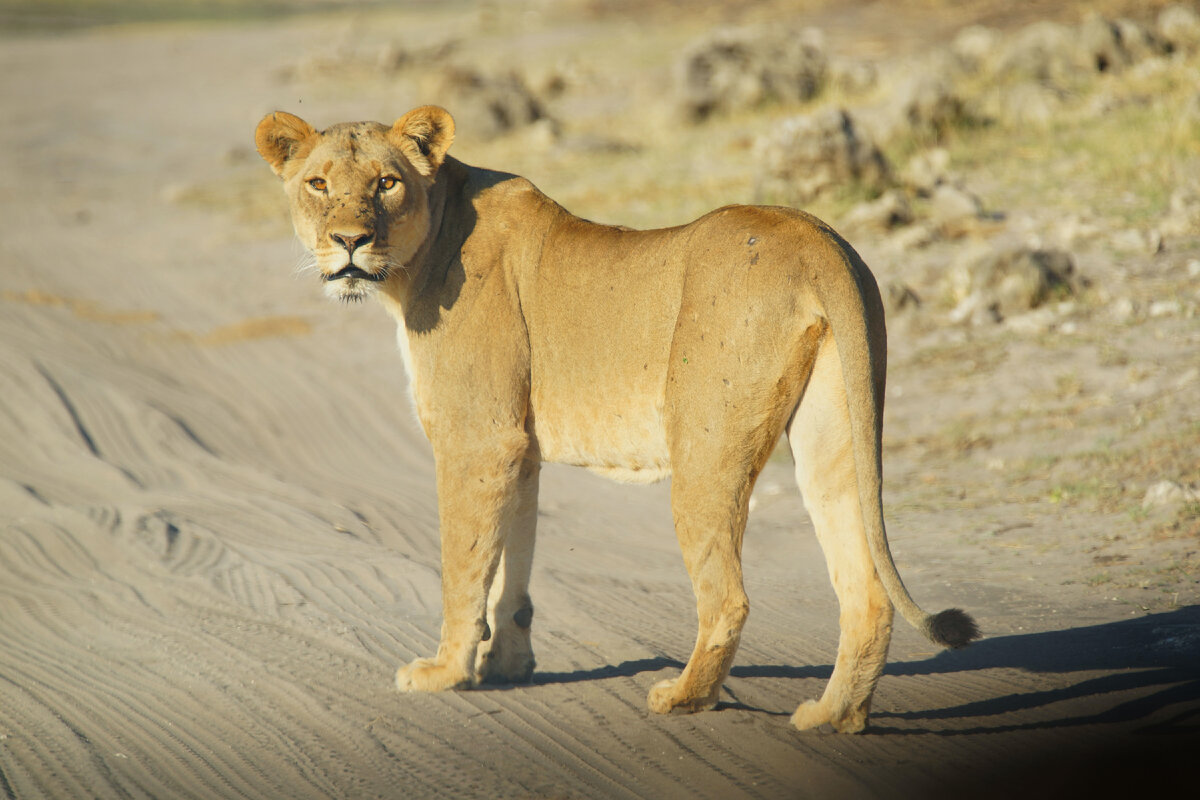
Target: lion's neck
{"points": [[413, 299], [503, 214]]}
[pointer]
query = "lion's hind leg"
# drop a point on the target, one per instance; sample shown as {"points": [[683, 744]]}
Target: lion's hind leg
{"points": [[709, 522], [819, 436], [719, 444]]}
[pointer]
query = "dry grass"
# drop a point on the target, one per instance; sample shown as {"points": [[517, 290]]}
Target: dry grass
{"points": [[1117, 149]]}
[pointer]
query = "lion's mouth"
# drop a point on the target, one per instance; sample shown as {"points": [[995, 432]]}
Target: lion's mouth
{"points": [[354, 272]]}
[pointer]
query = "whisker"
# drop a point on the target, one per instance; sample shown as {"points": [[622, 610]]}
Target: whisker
{"points": [[383, 256], [305, 262]]}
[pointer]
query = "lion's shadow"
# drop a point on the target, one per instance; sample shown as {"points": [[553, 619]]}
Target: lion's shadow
{"points": [[1158, 655]]}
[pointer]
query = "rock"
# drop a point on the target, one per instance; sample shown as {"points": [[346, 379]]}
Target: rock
{"points": [[542, 134], [926, 170], [1107, 100], [913, 237], [958, 281], [811, 154], [1070, 229], [1113, 45], [1156, 69], [899, 298], [1179, 26], [1100, 40], [952, 205], [890, 210], [977, 310], [394, 56], [1169, 493], [1031, 323], [1183, 214], [1028, 102], [1064, 57], [1132, 240], [1138, 41], [925, 106], [853, 76], [554, 81], [1122, 309], [1164, 308], [1046, 52], [487, 104], [975, 46], [1002, 284], [745, 67]]}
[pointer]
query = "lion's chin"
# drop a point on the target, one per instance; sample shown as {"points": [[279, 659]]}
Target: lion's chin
{"points": [[350, 290]]}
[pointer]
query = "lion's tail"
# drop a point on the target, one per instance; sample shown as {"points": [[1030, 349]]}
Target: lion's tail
{"points": [[847, 293]]}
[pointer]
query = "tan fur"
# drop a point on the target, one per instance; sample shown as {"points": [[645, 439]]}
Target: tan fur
{"points": [[531, 335]]}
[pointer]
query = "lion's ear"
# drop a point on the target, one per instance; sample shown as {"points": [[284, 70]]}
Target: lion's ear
{"points": [[424, 135], [281, 137]]}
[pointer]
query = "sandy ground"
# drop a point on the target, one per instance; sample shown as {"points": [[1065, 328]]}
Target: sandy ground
{"points": [[219, 535]]}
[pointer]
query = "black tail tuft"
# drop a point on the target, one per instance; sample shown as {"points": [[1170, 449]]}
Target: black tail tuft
{"points": [[952, 628]]}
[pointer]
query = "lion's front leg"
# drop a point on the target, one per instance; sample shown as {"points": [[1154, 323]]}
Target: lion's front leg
{"points": [[477, 503], [507, 657]]}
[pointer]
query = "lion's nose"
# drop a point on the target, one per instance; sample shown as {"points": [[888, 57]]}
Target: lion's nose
{"points": [[351, 241]]}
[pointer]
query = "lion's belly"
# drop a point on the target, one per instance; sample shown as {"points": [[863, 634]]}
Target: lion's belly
{"points": [[624, 441], [601, 310]]}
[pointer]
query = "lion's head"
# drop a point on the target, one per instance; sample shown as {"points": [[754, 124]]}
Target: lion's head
{"points": [[359, 192]]}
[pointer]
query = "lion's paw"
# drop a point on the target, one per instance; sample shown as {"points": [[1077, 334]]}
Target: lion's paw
{"points": [[507, 660], [666, 697], [427, 675], [813, 714]]}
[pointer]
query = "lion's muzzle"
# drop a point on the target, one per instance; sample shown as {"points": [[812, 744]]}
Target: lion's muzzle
{"points": [[353, 271]]}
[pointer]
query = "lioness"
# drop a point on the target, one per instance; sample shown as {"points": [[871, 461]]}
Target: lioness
{"points": [[531, 335]]}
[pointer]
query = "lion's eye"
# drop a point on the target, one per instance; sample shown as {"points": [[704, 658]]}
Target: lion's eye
{"points": [[387, 183], [318, 184]]}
